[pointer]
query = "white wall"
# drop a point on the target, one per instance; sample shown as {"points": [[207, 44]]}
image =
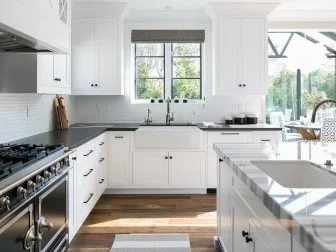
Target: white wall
{"points": [[16, 123]]}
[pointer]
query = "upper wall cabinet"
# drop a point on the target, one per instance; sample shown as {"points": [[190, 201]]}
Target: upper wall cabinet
{"points": [[96, 51], [35, 73], [45, 22], [240, 48], [241, 57]]}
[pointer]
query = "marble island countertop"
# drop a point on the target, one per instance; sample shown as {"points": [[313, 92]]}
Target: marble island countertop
{"points": [[308, 213]]}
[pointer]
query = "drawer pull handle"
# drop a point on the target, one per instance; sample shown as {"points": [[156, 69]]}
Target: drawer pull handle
{"points": [[85, 175], [101, 160], [102, 143], [265, 140], [85, 202], [88, 153], [119, 137], [230, 133], [101, 181]]}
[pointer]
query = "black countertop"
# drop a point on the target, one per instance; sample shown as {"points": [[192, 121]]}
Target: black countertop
{"points": [[78, 134]]}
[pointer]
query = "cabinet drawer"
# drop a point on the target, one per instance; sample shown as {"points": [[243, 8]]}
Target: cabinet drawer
{"points": [[86, 152], [259, 137], [228, 137]]}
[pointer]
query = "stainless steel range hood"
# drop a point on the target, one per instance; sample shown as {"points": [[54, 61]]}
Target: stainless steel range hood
{"points": [[10, 42]]}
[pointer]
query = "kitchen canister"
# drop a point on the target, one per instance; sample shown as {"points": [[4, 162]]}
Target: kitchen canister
{"points": [[251, 118], [240, 119]]}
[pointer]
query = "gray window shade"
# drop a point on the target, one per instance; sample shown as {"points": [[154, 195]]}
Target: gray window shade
{"points": [[168, 36]]}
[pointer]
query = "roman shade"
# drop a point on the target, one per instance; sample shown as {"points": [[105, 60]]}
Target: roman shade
{"points": [[168, 36]]}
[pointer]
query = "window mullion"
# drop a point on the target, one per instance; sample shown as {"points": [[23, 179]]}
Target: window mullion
{"points": [[168, 70]]}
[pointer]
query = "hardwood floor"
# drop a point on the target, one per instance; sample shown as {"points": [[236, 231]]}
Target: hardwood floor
{"points": [[116, 214]]}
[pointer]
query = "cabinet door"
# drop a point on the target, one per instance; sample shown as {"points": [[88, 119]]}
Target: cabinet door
{"points": [[228, 56], [82, 54], [254, 56], [240, 223], [187, 170], [45, 80], [106, 56], [61, 73], [150, 169], [259, 239], [119, 160]]}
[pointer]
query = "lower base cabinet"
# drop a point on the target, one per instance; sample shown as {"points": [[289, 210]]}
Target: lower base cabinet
{"points": [[244, 223], [164, 169]]}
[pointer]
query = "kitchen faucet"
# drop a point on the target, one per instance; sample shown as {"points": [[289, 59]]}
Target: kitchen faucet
{"points": [[169, 117], [148, 120]]}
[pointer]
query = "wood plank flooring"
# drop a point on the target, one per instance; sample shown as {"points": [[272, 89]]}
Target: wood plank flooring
{"points": [[117, 214]]}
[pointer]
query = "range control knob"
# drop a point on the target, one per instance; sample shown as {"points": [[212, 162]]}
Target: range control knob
{"points": [[53, 169], [39, 180], [46, 175], [20, 191], [66, 161], [5, 202], [58, 166], [31, 186]]}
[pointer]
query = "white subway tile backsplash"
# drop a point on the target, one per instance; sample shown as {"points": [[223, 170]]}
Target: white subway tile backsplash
{"points": [[23, 115], [104, 109]]}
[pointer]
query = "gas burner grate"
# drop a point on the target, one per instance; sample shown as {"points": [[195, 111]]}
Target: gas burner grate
{"points": [[15, 157]]}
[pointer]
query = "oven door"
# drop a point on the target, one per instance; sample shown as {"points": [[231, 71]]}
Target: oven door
{"points": [[52, 216], [17, 229]]}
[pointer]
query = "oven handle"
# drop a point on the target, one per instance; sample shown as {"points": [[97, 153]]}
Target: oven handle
{"points": [[91, 195], [85, 175]]}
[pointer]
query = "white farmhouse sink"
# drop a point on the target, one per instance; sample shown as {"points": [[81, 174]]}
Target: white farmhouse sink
{"points": [[168, 137], [297, 174]]}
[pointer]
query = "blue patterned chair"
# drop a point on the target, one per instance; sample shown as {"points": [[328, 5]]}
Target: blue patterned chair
{"points": [[328, 130]]}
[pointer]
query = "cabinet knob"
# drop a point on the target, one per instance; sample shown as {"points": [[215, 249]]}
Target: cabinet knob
{"points": [[96, 85], [244, 233], [170, 157], [240, 85], [244, 85], [166, 157], [248, 239], [92, 85]]}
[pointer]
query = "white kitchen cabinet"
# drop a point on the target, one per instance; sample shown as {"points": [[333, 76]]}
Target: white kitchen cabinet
{"points": [[102, 173], [222, 137], [187, 169], [119, 146], [238, 209], [150, 169], [266, 136], [95, 56], [241, 56], [42, 73]]}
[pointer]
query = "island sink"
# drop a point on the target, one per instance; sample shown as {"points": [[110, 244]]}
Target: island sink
{"points": [[297, 174]]}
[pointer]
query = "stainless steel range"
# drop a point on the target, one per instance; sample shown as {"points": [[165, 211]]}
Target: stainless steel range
{"points": [[34, 197]]}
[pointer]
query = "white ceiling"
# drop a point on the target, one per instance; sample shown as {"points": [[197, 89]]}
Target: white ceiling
{"points": [[286, 10]]}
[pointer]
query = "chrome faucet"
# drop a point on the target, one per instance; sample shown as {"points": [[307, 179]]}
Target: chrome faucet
{"points": [[148, 120], [169, 118]]}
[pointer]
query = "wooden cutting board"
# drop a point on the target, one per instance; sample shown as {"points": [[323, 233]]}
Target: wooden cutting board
{"points": [[61, 112]]}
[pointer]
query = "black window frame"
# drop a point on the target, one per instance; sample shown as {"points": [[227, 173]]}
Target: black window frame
{"points": [[135, 70], [191, 57]]}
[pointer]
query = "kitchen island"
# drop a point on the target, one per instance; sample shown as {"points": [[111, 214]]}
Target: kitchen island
{"points": [[260, 212]]}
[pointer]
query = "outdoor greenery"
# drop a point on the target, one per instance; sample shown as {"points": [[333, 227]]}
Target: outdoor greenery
{"points": [[186, 71], [282, 90]]}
